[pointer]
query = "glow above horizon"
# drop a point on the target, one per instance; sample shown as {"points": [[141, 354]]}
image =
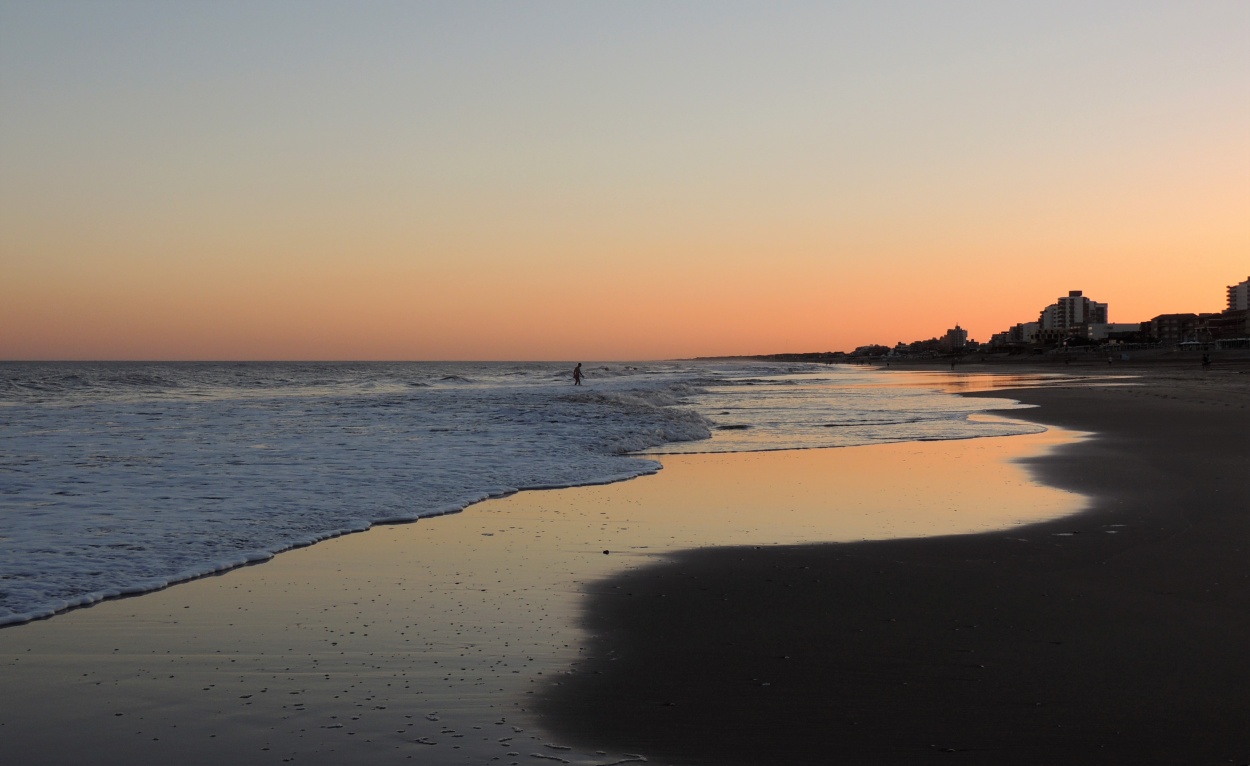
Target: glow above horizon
{"points": [[562, 180]]}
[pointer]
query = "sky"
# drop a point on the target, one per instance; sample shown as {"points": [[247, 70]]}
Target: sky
{"points": [[607, 180]]}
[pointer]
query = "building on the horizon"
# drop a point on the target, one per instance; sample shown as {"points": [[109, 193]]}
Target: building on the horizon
{"points": [[1021, 334], [1071, 312], [870, 350], [955, 339], [1239, 296], [1118, 332], [1070, 316], [1233, 323], [1230, 324], [1174, 329], [1077, 320]]}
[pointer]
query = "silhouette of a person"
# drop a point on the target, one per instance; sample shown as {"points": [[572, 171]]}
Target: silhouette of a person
{"points": [[577, 374]]}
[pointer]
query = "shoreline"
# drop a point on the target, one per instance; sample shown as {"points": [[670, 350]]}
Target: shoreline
{"points": [[453, 641], [253, 556], [1117, 635], [432, 640]]}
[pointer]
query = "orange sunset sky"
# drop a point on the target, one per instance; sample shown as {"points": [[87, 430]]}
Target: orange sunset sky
{"points": [[634, 180]]}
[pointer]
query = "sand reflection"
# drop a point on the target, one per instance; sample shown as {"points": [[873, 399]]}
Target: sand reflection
{"points": [[426, 641], [870, 492], [955, 382]]}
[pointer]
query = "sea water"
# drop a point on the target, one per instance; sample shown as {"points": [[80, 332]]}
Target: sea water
{"points": [[120, 478]]}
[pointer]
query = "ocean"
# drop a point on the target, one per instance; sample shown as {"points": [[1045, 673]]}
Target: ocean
{"points": [[122, 478]]}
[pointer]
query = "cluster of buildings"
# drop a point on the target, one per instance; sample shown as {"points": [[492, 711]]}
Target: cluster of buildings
{"points": [[1075, 320], [1071, 320]]}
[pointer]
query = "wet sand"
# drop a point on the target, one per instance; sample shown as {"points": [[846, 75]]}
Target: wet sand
{"points": [[1119, 635], [431, 642]]}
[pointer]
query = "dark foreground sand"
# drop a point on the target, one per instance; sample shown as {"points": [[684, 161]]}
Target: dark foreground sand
{"points": [[1120, 635]]}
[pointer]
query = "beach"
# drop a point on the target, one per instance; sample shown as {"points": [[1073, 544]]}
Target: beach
{"points": [[720, 611], [589, 383], [1117, 635]]}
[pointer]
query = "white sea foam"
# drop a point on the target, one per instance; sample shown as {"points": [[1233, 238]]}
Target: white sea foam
{"points": [[124, 478]]}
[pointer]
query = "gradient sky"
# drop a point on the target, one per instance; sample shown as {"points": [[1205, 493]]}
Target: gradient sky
{"points": [[633, 180]]}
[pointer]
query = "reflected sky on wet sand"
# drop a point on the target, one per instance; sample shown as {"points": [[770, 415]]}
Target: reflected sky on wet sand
{"points": [[426, 639]]}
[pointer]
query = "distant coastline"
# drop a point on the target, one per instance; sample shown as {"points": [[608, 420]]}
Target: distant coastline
{"points": [[1084, 356]]}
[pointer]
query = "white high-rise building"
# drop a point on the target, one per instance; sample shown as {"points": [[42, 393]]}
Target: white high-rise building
{"points": [[1239, 296], [1067, 315], [955, 338]]}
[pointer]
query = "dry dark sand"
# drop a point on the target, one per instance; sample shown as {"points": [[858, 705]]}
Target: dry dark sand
{"points": [[1120, 635]]}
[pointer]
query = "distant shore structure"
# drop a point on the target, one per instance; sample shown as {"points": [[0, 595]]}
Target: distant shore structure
{"points": [[1070, 316], [955, 338], [1239, 296], [1073, 324]]}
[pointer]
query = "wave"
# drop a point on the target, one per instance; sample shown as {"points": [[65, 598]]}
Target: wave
{"points": [[155, 474], [173, 489]]}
